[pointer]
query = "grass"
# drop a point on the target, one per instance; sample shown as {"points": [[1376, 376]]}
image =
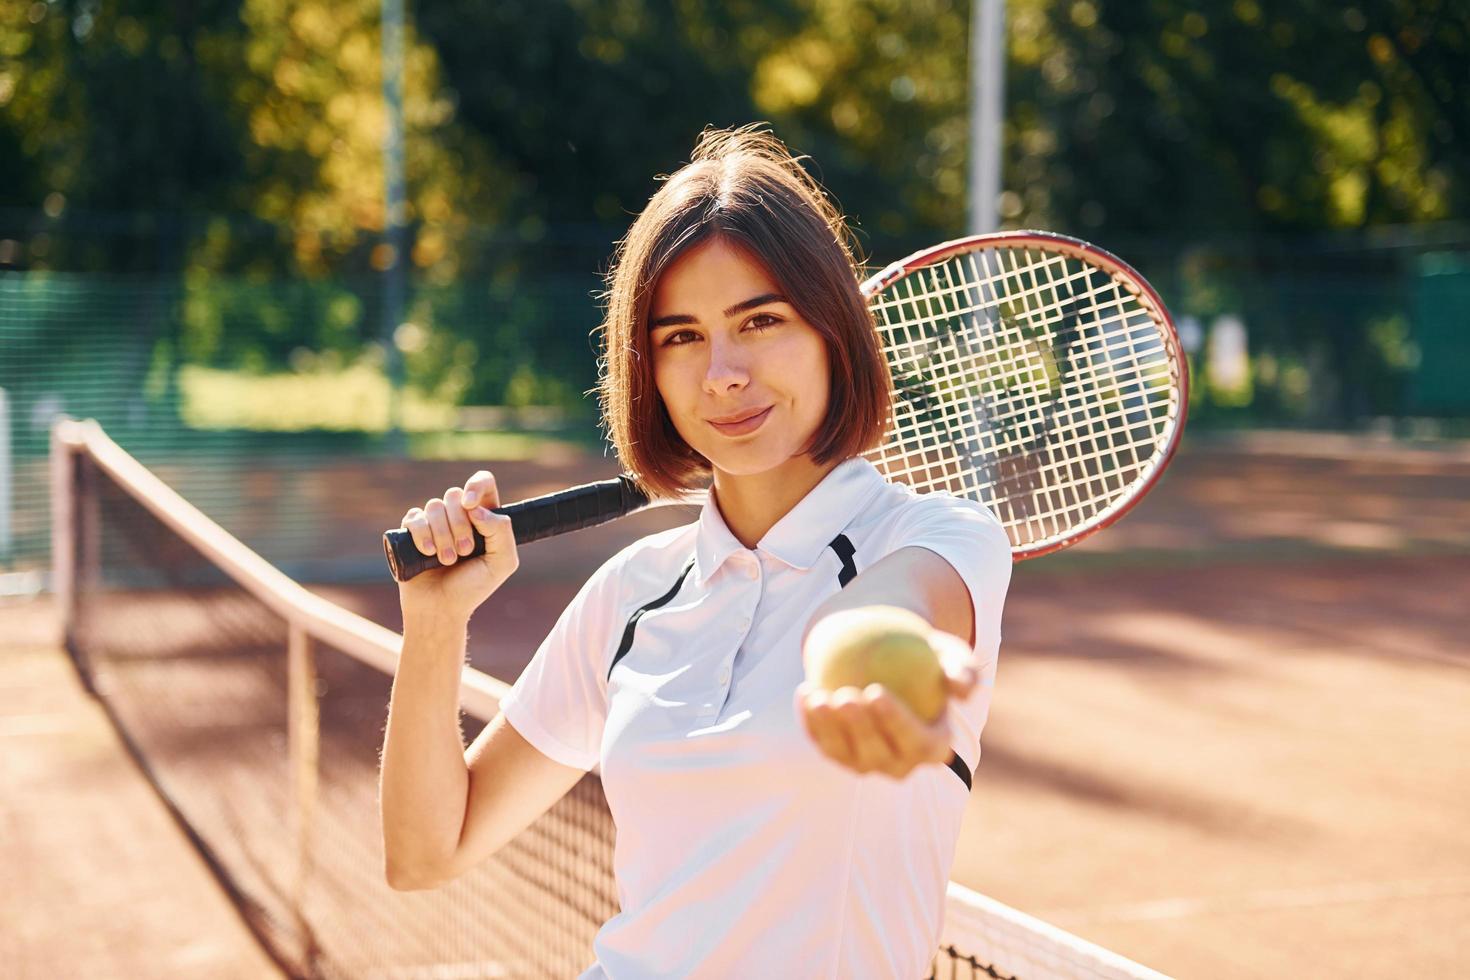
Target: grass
{"points": [[349, 399], [490, 445], [356, 399]]}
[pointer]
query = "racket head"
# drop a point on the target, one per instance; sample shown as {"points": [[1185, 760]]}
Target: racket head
{"points": [[1033, 372]]}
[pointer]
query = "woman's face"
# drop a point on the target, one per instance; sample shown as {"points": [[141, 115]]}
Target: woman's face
{"points": [[742, 375]]}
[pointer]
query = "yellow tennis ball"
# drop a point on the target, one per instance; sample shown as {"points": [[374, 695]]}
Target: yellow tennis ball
{"points": [[879, 645]]}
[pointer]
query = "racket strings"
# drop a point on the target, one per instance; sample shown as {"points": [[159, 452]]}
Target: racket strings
{"points": [[1030, 380]]}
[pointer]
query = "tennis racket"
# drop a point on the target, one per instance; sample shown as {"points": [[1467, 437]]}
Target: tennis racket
{"points": [[1032, 372]]}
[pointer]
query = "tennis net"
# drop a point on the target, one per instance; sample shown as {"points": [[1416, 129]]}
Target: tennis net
{"points": [[256, 708]]}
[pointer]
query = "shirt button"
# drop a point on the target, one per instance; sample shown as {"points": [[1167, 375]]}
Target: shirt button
{"points": [[744, 624], [725, 676]]}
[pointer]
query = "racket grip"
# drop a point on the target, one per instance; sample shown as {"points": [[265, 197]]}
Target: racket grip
{"points": [[530, 520]]}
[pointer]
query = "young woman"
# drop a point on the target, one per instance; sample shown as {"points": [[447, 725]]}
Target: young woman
{"points": [[764, 828]]}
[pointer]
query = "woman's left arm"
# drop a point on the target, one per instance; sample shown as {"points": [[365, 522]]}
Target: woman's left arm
{"points": [[870, 730]]}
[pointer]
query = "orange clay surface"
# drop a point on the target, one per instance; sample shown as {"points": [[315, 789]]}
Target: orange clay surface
{"points": [[1230, 735]]}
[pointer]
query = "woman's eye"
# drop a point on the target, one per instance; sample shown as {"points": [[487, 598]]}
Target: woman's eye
{"points": [[758, 323]]}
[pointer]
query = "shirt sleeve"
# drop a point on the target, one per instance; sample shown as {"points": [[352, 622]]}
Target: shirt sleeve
{"points": [[965, 534], [559, 703]]}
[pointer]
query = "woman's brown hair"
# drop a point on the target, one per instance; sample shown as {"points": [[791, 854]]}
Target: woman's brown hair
{"points": [[744, 186]]}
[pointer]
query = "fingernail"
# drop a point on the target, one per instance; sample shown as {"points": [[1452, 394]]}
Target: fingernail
{"points": [[471, 499], [446, 556], [465, 546]]}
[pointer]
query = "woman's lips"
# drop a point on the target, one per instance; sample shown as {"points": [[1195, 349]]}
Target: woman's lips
{"points": [[744, 425]]}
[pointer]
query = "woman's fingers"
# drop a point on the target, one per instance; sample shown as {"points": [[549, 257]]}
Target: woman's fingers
{"points": [[869, 730], [913, 741], [459, 522], [448, 529], [416, 523], [430, 529], [480, 491], [961, 668], [438, 515], [820, 720], [500, 539], [446, 526], [871, 750]]}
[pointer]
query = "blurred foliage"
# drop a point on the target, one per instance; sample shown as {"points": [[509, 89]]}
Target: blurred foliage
{"points": [[589, 99], [1142, 118], [316, 122], [235, 148], [1302, 114], [325, 395], [121, 109]]}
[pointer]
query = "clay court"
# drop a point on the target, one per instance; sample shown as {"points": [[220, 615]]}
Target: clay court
{"points": [[1229, 736]]}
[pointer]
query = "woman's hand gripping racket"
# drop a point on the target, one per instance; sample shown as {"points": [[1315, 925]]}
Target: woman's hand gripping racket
{"points": [[1032, 372]]}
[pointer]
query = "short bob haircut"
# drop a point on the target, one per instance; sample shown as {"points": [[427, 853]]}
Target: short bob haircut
{"points": [[744, 187]]}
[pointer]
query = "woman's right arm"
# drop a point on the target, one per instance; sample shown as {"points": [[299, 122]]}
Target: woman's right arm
{"points": [[444, 809]]}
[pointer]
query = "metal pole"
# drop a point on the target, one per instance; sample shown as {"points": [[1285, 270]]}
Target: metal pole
{"points": [[303, 741], [987, 107], [63, 525], [396, 219], [5, 477]]}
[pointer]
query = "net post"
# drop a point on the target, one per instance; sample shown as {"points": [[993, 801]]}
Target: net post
{"points": [[87, 513], [75, 528], [63, 531], [7, 480], [303, 733]]}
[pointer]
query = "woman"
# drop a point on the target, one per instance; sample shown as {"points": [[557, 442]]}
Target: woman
{"points": [[756, 836]]}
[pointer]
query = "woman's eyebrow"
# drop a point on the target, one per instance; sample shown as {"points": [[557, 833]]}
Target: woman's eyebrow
{"points": [[676, 319], [754, 301]]}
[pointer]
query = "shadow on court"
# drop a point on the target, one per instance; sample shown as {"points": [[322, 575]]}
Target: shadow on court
{"points": [[1228, 733], [1227, 737], [99, 879]]}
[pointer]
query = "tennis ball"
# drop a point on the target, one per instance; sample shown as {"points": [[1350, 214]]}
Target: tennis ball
{"points": [[883, 645]]}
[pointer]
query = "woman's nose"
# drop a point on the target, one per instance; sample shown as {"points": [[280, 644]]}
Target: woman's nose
{"points": [[727, 368]]}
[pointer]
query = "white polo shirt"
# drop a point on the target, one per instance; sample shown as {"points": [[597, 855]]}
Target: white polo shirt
{"points": [[741, 849]]}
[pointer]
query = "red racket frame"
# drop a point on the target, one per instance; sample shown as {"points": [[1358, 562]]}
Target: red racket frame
{"points": [[1131, 280]]}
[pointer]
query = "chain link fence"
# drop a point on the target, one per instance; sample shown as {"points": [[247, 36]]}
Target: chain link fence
{"points": [[214, 377]]}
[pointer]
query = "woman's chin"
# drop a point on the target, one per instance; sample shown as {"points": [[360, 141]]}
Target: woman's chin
{"points": [[744, 465]]}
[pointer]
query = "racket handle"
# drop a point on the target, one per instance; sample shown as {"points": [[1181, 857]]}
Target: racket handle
{"points": [[531, 520]]}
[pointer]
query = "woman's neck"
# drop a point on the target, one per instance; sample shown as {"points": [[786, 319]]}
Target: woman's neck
{"points": [[751, 505]]}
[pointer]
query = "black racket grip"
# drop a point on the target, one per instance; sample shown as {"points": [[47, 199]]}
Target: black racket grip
{"points": [[531, 520]]}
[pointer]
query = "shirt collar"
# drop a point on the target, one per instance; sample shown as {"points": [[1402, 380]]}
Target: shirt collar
{"points": [[799, 537]]}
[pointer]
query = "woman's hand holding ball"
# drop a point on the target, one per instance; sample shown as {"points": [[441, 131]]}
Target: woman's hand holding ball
{"points": [[879, 680]]}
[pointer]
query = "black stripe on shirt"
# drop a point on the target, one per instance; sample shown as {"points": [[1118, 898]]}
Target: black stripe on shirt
{"points": [[845, 553], [958, 767], [632, 626]]}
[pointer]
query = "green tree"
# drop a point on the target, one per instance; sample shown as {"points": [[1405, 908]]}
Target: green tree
{"points": [[117, 110], [244, 138]]}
